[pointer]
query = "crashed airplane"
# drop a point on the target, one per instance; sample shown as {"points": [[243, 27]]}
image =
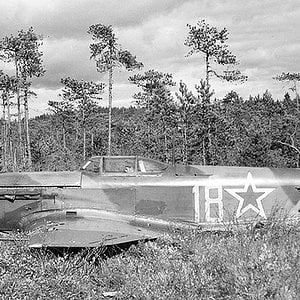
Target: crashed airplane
{"points": [[114, 200]]}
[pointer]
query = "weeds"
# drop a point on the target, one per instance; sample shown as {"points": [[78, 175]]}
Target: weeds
{"points": [[248, 264]]}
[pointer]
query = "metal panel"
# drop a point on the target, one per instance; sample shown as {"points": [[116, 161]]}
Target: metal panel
{"points": [[165, 202]]}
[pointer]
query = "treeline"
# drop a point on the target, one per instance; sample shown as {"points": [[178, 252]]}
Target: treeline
{"points": [[258, 131], [22, 53], [187, 127]]}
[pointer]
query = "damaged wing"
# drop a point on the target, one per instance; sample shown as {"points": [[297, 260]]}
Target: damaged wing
{"points": [[77, 233]]}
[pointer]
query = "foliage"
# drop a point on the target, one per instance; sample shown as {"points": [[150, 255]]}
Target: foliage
{"points": [[80, 94], [23, 50], [107, 52], [207, 40], [288, 76], [185, 129], [291, 78], [244, 264], [158, 111], [186, 108], [108, 55], [190, 127]]}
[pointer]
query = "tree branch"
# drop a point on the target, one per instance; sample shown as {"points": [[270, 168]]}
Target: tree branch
{"points": [[288, 145]]}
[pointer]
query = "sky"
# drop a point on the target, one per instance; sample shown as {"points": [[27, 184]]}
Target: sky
{"points": [[262, 34]]}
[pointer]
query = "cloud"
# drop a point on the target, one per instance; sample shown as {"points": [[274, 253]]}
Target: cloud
{"points": [[66, 58], [71, 18], [262, 34]]}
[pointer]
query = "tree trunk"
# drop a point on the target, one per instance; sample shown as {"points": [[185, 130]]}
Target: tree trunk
{"points": [[207, 69], [84, 143], [292, 146], [9, 135], [297, 95], [84, 127], [4, 154], [173, 148], [4, 139], [15, 165], [26, 119], [19, 109], [203, 151], [110, 76], [166, 146], [185, 159], [185, 143], [64, 137]]}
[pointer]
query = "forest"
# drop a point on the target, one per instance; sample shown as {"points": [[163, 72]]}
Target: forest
{"points": [[168, 121]]}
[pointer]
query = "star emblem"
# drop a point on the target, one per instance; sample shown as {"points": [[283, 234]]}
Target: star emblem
{"points": [[250, 197]]}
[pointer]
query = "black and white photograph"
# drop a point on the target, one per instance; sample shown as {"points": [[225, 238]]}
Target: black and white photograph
{"points": [[149, 149]]}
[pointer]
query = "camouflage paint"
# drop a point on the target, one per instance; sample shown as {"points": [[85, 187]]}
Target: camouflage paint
{"points": [[197, 195]]}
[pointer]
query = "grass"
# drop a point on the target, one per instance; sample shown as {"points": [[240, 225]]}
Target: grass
{"points": [[248, 264]]}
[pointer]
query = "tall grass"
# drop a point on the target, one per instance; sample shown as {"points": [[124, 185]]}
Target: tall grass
{"points": [[245, 264]]}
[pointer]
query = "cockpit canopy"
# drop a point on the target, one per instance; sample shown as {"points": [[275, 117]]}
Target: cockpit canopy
{"points": [[122, 165]]}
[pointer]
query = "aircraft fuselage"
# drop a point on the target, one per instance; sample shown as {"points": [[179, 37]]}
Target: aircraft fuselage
{"points": [[210, 195]]}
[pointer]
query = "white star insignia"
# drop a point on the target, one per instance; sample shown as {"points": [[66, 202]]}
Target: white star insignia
{"points": [[252, 193]]}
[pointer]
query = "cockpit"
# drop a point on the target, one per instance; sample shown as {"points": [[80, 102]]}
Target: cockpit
{"points": [[124, 165]]}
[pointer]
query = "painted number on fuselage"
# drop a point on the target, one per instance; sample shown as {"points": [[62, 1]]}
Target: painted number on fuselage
{"points": [[213, 196], [249, 197]]}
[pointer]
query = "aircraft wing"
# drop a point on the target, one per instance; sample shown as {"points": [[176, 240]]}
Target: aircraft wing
{"points": [[73, 233]]}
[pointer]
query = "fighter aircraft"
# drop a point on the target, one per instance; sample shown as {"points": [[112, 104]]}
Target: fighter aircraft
{"points": [[120, 199]]}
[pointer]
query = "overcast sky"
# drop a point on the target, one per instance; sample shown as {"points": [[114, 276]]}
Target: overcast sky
{"points": [[263, 34]]}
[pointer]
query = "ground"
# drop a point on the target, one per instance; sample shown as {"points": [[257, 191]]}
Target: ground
{"points": [[244, 264]]}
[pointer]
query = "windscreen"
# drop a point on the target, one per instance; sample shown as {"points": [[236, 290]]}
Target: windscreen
{"points": [[119, 165], [149, 165]]}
